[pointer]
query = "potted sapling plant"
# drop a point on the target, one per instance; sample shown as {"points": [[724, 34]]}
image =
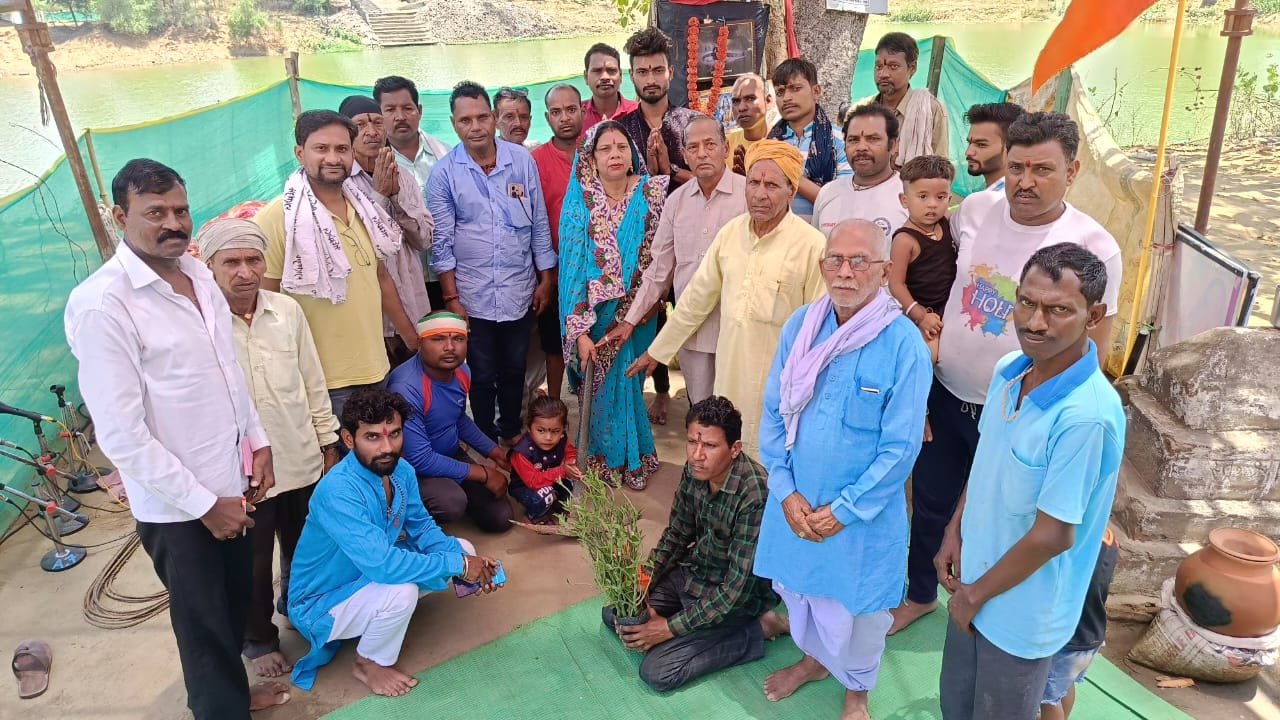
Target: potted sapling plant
{"points": [[607, 526]]}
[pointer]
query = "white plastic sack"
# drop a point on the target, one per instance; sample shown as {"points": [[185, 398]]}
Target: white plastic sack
{"points": [[1176, 645]]}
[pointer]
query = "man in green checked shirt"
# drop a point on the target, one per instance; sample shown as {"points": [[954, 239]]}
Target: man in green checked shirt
{"points": [[707, 610]]}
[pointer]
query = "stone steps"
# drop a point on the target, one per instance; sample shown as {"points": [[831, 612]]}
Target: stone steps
{"points": [[404, 25], [1187, 463], [1146, 516], [1144, 565]]}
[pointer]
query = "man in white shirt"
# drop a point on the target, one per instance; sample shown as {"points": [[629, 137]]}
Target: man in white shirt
{"points": [[691, 218], [158, 370], [993, 247], [985, 155], [280, 362], [870, 142], [415, 150]]}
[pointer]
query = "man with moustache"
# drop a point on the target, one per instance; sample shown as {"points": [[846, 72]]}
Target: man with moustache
{"points": [[279, 360], [493, 254], [870, 141], [754, 111], [393, 186], [985, 155], [922, 118], [761, 266], [369, 550], [555, 162], [327, 239], [691, 219], [656, 125], [602, 71], [415, 150], [708, 611], [152, 335], [849, 380], [993, 246], [1019, 555], [515, 115]]}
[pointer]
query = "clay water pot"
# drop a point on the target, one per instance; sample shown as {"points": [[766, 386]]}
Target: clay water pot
{"points": [[1232, 585]]}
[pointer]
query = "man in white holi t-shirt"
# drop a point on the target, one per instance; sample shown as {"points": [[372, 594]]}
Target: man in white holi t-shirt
{"points": [[993, 246], [985, 155], [870, 143]]}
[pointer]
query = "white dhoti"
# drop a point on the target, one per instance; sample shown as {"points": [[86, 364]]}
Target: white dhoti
{"points": [[379, 615], [848, 646]]}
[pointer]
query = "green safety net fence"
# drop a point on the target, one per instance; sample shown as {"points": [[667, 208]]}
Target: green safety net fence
{"points": [[237, 150]]}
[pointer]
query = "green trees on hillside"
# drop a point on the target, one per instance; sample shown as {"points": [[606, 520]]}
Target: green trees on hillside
{"points": [[147, 17]]}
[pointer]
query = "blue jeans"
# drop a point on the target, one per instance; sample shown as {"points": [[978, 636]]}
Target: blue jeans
{"points": [[1067, 669], [496, 353], [538, 503]]}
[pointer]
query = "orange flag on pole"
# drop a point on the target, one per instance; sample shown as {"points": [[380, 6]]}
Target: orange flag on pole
{"points": [[1086, 26]]}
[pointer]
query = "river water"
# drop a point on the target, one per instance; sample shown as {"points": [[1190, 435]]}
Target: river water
{"points": [[1134, 64]]}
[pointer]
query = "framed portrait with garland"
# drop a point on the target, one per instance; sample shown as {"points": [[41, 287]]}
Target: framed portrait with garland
{"points": [[715, 43]]}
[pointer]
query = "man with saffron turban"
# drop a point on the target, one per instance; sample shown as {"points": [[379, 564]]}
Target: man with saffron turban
{"points": [[761, 266]]}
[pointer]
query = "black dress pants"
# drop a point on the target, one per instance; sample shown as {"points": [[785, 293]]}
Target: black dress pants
{"points": [[209, 583]]}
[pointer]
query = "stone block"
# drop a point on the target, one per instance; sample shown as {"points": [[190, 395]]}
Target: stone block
{"points": [[1223, 379], [1144, 564], [1145, 516], [1192, 464]]}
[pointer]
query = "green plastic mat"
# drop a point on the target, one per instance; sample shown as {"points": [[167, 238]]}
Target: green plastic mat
{"points": [[568, 667]]}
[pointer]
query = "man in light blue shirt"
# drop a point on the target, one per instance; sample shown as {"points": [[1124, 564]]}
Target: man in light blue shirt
{"points": [[369, 550], [805, 125], [1026, 535], [849, 381], [492, 250]]}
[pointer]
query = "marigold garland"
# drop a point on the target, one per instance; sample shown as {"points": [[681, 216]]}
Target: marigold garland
{"points": [[717, 74]]}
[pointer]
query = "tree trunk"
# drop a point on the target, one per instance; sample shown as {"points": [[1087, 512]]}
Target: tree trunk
{"points": [[830, 39]]}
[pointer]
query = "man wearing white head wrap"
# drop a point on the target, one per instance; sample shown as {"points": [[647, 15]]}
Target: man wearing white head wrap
{"points": [[279, 359]]}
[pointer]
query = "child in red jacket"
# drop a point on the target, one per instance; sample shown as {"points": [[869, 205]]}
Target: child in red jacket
{"points": [[543, 462]]}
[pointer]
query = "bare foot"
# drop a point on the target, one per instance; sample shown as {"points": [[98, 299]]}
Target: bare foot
{"points": [[855, 706], [388, 681], [658, 409], [786, 681], [271, 665], [267, 694], [909, 612], [774, 624]]}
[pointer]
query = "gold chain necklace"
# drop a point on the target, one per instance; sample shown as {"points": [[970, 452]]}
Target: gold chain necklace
{"points": [[1004, 397]]}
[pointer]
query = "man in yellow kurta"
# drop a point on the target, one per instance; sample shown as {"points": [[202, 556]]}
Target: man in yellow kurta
{"points": [[760, 268]]}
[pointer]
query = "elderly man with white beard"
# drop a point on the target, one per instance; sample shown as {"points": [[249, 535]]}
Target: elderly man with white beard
{"points": [[844, 411]]}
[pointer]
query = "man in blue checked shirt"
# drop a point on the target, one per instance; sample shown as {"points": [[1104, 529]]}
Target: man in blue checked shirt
{"points": [[492, 250]]}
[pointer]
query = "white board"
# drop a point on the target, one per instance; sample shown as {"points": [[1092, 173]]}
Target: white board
{"points": [[871, 7]]}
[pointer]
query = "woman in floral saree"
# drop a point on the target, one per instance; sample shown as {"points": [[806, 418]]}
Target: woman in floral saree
{"points": [[607, 224]]}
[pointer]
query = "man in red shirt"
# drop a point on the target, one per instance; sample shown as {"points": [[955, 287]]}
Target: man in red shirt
{"points": [[555, 162], [603, 74]]}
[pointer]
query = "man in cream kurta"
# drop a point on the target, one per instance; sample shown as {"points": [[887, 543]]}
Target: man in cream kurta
{"points": [[275, 350], [759, 269]]}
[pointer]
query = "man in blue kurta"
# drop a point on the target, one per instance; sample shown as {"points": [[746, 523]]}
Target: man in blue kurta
{"points": [[435, 382], [843, 420], [369, 550], [1018, 556]]}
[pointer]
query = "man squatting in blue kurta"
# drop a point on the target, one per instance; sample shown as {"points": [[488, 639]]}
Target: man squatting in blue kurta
{"points": [[851, 377], [369, 550]]}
